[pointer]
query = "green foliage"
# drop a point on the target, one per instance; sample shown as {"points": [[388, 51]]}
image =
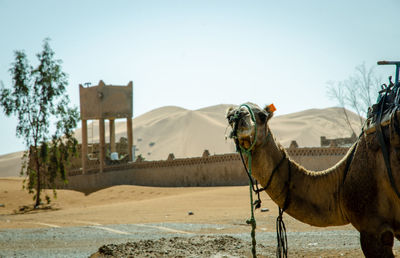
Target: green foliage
{"points": [[140, 158], [38, 98]]}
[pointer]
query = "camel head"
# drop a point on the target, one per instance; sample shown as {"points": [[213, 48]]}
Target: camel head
{"points": [[244, 125]]}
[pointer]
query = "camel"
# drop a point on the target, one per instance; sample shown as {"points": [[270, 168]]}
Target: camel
{"points": [[356, 190]]}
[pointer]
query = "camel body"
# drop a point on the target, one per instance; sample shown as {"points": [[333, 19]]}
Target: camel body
{"points": [[359, 193]]}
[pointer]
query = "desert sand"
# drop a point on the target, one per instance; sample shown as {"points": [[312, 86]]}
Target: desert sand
{"points": [[128, 204]]}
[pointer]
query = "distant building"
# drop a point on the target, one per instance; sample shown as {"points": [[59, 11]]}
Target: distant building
{"points": [[293, 145], [338, 142]]}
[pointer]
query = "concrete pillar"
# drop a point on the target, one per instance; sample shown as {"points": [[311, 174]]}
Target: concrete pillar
{"points": [[130, 137], [112, 136], [84, 148], [102, 138]]}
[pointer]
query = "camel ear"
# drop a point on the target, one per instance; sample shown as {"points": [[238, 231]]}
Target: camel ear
{"points": [[270, 109], [262, 116], [228, 111]]}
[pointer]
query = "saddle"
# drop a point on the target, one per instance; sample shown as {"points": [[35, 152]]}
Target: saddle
{"points": [[384, 113]]}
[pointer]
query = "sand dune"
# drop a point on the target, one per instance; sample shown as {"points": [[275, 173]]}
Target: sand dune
{"points": [[10, 164], [306, 127], [187, 133]]}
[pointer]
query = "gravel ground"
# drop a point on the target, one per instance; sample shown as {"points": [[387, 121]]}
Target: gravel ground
{"points": [[171, 240]]}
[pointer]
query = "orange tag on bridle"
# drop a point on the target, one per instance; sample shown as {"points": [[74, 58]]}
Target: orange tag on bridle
{"points": [[271, 108]]}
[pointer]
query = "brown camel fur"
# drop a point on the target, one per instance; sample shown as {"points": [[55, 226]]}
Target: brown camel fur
{"points": [[363, 198]]}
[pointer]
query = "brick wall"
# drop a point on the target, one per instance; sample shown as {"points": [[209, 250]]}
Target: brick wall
{"points": [[215, 170]]}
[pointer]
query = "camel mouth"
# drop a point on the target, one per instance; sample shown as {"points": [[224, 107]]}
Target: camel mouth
{"points": [[245, 141]]}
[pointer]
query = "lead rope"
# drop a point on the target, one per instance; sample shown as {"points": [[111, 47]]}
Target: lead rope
{"points": [[252, 220], [281, 236], [282, 245]]}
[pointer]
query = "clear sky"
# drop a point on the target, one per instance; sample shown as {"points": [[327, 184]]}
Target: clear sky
{"points": [[195, 54]]}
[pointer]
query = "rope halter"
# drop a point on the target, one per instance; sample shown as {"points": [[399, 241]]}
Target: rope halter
{"points": [[235, 120]]}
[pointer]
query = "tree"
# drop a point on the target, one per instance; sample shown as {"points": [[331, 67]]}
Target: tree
{"points": [[358, 92], [45, 121]]}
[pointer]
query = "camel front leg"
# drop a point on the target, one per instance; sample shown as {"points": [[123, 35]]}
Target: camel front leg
{"points": [[377, 245]]}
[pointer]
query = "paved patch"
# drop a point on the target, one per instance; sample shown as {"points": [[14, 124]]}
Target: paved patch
{"points": [[83, 241]]}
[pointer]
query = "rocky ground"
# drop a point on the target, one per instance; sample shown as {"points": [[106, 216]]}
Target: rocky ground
{"points": [[305, 244], [213, 246], [197, 246]]}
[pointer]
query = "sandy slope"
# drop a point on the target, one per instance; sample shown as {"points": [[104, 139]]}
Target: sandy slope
{"points": [[187, 133], [10, 164], [306, 127]]}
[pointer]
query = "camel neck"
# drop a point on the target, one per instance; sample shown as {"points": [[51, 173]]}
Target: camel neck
{"points": [[314, 196]]}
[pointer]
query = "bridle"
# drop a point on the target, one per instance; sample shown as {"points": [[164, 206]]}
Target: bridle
{"points": [[248, 151]]}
